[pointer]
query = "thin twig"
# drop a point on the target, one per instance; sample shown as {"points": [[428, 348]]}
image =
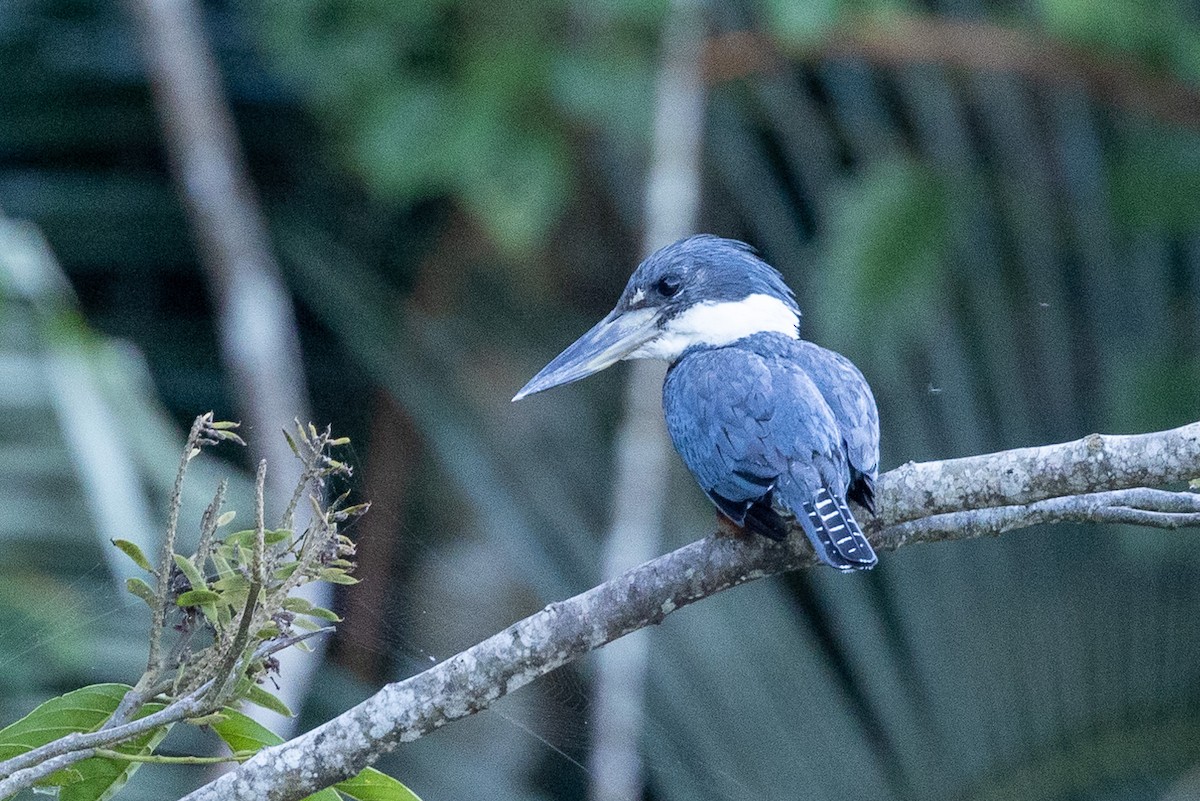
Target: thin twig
{"points": [[1141, 506], [191, 705], [166, 561], [208, 526], [278, 644], [232, 664], [310, 469], [23, 779], [258, 566], [160, 759], [310, 549]]}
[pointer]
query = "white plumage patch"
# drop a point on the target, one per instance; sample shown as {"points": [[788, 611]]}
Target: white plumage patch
{"points": [[719, 324]]}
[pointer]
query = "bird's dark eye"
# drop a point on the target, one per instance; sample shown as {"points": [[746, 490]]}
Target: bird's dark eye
{"points": [[668, 285]]}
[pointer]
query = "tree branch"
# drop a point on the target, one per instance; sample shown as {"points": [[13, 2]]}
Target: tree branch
{"points": [[1095, 478], [1095, 463]]}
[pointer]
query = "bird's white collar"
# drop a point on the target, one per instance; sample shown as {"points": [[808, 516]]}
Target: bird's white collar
{"points": [[720, 323]]}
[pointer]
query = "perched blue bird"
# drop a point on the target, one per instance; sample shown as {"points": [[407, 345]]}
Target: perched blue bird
{"points": [[774, 428]]}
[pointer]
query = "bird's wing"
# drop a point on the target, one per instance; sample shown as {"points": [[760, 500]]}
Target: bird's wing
{"points": [[744, 423], [715, 412], [849, 397], [759, 437]]}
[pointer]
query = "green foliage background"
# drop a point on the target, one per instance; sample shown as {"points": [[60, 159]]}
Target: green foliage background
{"points": [[1011, 255]]}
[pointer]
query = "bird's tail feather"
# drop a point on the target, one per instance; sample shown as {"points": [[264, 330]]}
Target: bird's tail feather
{"points": [[834, 533]]}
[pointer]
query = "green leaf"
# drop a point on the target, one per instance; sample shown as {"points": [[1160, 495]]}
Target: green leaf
{"points": [[142, 590], [270, 536], [267, 632], [335, 576], [374, 785], [224, 569], [325, 614], [61, 778], [274, 536], [356, 509], [135, 553], [1155, 182], [298, 605], [291, 442], [260, 697], [242, 734], [226, 519], [887, 245], [194, 576], [243, 537], [803, 23], [82, 710], [101, 779], [234, 582], [198, 598]]}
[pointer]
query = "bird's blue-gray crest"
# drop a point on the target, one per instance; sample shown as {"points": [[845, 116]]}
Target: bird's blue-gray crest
{"points": [[774, 428]]}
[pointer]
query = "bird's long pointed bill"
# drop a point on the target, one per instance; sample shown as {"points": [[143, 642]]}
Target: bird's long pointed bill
{"points": [[612, 339]]}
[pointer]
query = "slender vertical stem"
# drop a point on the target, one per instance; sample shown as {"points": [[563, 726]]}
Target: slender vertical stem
{"points": [[671, 202], [259, 567], [208, 526], [166, 560]]}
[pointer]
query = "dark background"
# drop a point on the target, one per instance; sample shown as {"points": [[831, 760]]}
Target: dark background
{"points": [[992, 207]]}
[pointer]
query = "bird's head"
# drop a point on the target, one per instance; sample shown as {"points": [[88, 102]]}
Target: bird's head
{"points": [[703, 290]]}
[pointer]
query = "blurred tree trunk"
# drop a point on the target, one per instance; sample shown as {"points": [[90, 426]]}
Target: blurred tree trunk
{"points": [[671, 202], [260, 345], [391, 456]]}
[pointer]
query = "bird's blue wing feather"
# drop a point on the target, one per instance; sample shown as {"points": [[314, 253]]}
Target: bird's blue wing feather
{"points": [[758, 434], [853, 405], [746, 424], [721, 440]]}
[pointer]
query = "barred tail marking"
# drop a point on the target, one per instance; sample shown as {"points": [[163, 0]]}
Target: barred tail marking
{"points": [[835, 534]]}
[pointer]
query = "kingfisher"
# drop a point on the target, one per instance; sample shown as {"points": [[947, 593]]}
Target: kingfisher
{"points": [[774, 428]]}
